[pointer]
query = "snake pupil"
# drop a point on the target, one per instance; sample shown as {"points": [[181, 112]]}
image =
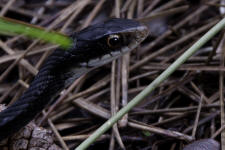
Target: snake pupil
{"points": [[113, 40]]}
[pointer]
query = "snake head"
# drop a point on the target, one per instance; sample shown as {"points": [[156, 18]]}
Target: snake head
{"points": [[104, 42]]}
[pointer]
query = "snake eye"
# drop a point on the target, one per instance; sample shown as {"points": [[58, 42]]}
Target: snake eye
{"points": [[114, 40]]}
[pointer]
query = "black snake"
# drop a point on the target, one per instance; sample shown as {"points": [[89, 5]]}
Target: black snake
{"points": [[92, 47]]}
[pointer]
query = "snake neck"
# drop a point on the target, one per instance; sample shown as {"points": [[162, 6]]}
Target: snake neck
{"points": [[56, 74]]}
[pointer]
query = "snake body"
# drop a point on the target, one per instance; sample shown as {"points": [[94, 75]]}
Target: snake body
{"points": [[93, 47]]}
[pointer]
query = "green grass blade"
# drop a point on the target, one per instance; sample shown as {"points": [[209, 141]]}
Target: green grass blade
{"points": [[162, 77], [12, 27]]}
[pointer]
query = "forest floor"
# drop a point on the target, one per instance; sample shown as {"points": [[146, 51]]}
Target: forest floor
{"points": [[186, 107]]}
